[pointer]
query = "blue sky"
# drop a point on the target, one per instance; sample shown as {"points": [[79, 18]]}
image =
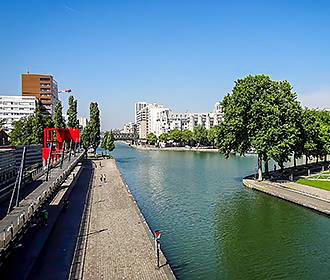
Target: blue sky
{"points": [[183, 54]]}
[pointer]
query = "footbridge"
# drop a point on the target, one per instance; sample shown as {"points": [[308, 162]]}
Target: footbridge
{"points": [[124, 136]]}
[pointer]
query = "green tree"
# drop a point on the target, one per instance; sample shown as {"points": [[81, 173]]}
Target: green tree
{"points": [[58, 116], [187, 136], [72, 113], [151, 138], [311, 134], [164, 137], [259, 116], [200, 135], [107, 142], [94, 124], [176, 136], [212, 135], [324, 120], [86, 137], [38, 126]]}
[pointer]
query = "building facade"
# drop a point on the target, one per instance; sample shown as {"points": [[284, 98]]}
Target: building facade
{"points": [[13, 108], [158, 119], [44, 88]]}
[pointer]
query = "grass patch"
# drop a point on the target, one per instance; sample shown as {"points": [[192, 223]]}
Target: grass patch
{"points": [[324, 185]]}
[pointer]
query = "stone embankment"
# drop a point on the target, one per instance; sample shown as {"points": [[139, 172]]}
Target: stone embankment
{"points": [[117, 241], [309, 197], [176, 149]]}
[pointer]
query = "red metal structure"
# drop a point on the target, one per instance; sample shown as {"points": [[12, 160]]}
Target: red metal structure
{"points": [[59, 139]]}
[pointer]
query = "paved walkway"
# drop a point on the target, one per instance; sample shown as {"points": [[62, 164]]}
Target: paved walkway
{"points": [[310, 197], [118, 245]]}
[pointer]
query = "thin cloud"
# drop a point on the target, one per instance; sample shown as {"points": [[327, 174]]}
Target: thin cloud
{"points": [[70, 9], [318, 99]]}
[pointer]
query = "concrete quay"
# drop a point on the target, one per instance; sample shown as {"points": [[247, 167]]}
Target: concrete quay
{"points": [[306, 196], [117, 241]]}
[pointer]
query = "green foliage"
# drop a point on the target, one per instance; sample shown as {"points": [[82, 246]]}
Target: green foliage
{"points": [[175, 135], [107, 142], [187, 136], [85, 137], [72, 113], [200, 135], [151, 138], [58, 116], [30, 130], [212, 134], [94, 125], [164, 137]]}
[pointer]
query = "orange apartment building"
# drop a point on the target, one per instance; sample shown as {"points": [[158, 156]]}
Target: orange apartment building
{"points": [[44, 88]]}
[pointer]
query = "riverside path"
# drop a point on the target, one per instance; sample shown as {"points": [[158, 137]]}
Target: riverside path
{"points": [[115, 242]]}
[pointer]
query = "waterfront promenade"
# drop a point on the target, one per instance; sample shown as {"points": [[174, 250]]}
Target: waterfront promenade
{"points": [[313, 198], [117, 242]]}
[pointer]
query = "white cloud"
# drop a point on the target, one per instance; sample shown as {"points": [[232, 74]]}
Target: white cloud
{"points": [[318, 99]]}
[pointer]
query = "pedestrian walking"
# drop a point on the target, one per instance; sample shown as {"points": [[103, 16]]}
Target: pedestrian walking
{"points": [[105, 177], [274, 167], [45, 217], [101, 178]]}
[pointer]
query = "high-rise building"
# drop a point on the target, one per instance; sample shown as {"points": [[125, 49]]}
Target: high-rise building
{"points": [[137, 107], [13, 108], [44, 88]]}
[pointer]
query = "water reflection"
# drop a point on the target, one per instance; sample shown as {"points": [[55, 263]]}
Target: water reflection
{"points": [[214, 228]]}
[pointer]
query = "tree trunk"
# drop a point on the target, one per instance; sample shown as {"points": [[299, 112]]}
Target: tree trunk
{"points": [[266, 168], [325, 158], [317, 159], [282, 166], [306, 159], [259, 168], [294, 161]]}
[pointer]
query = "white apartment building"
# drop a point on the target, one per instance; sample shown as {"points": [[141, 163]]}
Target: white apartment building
{"points": [[82, 122], [158, 119], [129, 128], [13, 108], [137, 107]]}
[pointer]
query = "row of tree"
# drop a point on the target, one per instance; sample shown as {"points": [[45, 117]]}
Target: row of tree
{"points": [[265, 116], [91, 135], [200, 136], [30, 130]]}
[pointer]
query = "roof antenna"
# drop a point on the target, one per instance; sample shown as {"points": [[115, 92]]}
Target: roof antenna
{"points": [[28, 70]]}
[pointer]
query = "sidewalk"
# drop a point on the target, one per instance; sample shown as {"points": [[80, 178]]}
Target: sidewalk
{"points": [[118, 245]]}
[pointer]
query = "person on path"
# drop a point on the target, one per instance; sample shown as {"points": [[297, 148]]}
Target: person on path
{"points": [[101, 178], [45, 217]]}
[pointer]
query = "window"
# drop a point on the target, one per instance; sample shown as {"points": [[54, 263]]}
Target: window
{"points": [[44, 85], [44, 79]]}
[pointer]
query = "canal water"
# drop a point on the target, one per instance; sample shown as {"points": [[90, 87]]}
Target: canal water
{"points": [[214, 228]]}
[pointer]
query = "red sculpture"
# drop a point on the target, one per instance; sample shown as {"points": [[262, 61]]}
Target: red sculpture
{"points": [[59, 139]]}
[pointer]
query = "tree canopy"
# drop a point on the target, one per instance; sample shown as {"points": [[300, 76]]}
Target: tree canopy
{"points": [[107, 142], [58, 116], [72, 113]]}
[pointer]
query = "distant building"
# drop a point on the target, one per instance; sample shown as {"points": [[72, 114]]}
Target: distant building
{"points": [[159, 119], [82, 122], [143, 130], [129, 128], [137, 107], [44, 88], [13, 108]]}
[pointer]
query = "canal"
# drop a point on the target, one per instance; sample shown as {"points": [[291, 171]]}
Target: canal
{"points": [[214, 228]]}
